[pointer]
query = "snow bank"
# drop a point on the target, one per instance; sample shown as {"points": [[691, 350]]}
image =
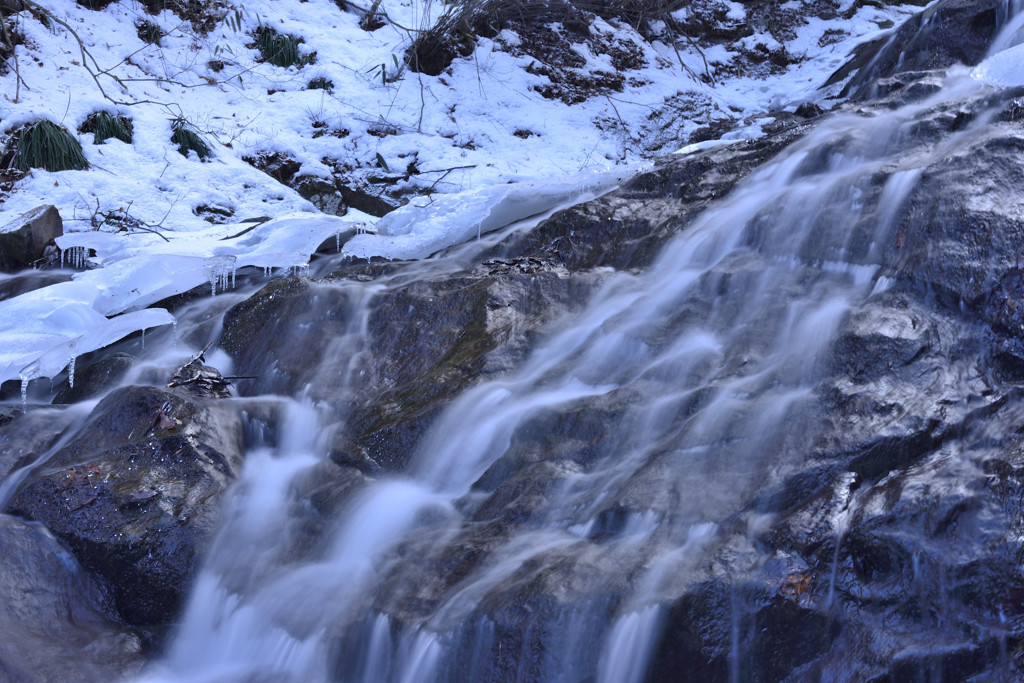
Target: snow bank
{"points": [[429, 224], [1002, 70], [44, 330]]}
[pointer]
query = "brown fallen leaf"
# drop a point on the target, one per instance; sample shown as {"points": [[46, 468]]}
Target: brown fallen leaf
{"points": [[796, 584]]}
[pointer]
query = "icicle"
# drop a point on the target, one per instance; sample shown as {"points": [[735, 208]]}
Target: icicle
{"points": [[62, 252], [234, 268], [174, 329], [337, 242], [76, 257], [24, 392], [71, 372], [213, 284], [143, 336]]}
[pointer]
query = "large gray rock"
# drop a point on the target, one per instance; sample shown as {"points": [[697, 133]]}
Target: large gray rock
{"points": [[57, 623], [23, 240], [946, 33], [135, 493]]}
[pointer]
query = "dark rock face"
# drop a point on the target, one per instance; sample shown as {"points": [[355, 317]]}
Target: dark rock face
{"points": [[57, 621], [900, 522], [95, 378], [426, 341], [24, 436], [135, 491], [946, 33]]}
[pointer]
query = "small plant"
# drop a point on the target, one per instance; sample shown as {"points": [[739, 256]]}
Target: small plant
{"points": [[320, 83], [233, 19], [149, 32], [104, 125], [385, 77], [45, 145], [184, 135], [281, 49]]}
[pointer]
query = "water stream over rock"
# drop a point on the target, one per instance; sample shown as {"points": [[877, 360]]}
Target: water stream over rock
{"points": [[755, 416]]}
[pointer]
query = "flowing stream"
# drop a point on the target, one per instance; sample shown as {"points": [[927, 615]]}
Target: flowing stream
{"points": [[702, 372], [709, 361]]}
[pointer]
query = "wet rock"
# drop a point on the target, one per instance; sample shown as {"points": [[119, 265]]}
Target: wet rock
{"points": [[25, 435], [8, 413], [29, 280], [322, 194], [375, 203], [626, 229], [136, 497], [696, 639], [282, 333], [946, 33], [429, 342], [58, 623], [93, 379], [23, 240]]}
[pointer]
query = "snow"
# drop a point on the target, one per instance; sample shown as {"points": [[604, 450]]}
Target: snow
{"points": [[490, 149], [1003, 70], [1004, 67], [428, 224]]}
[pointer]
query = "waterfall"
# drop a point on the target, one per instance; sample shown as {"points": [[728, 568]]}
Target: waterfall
{"points": [[703, 369]]}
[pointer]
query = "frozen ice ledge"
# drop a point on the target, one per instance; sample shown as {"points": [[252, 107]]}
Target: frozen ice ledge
{"points": [[43, 331]]}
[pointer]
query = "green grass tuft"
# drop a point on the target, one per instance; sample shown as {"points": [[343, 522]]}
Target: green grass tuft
{"points": [[280, 49], [149, 32], [104, 125], [187, 139], [46, 145]]}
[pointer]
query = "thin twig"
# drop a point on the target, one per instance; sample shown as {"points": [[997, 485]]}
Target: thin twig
{"points": [[674, 25], [623, 123]]}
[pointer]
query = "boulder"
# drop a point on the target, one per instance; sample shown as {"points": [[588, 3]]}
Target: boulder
{"points": [[24, 240], [57, 621], [135, 493], [946, 33]]}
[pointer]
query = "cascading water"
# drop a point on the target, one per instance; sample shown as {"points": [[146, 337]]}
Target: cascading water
{"points": [[704, 367], [703, 371]]}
